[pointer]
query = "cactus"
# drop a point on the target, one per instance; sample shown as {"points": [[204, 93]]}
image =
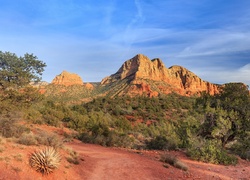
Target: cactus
{"points": [[45, 161]]}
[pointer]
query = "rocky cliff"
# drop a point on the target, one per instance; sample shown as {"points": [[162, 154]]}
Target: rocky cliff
{"points": [[139, 70], [67, 79]]}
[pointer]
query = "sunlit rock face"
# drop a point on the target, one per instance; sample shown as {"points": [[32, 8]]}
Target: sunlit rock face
{"points": [[67, 79], [179, 79]]}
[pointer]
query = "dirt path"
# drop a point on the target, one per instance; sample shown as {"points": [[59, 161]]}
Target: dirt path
{"points": [[116, 164], [105, 163], [101, 163]]}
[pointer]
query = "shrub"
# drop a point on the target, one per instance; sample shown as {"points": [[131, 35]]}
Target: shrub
{"points": [[174, 161], [161, 143], [27, 139], [49, 139], [73, 158], [10, 128], [242, 148], [180, 165], [210, 151], [45, 161], [168, 158]]}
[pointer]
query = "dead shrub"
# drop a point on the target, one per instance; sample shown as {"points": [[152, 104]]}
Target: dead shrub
{"points": [[173, 161]]}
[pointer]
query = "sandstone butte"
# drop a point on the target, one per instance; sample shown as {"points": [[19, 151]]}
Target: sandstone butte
{"points": [[67, 79], [179, 79]]}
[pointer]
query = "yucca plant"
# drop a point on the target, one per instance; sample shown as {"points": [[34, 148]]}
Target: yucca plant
{"points": [[46, 160]]}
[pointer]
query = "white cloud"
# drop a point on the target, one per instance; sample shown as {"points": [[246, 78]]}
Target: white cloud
{"points": [[216, 43], [223, 75]]}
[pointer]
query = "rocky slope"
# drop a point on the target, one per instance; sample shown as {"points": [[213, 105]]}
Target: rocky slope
{"points": [[151, 77], [67, 79]]}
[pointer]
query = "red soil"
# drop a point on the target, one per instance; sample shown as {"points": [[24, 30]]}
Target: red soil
{"points": [[97, 162]]}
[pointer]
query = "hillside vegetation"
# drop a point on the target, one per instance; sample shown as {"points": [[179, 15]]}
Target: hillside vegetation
{"points": [[208, 128]]}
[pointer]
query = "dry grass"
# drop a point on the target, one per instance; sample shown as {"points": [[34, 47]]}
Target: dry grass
{"points": [[18, 157], [174, 161], [73, 157]]}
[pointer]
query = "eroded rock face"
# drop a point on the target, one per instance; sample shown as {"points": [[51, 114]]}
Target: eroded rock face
{"points": [[67, 79], [179, 79], [190, 82], [139, 66]]}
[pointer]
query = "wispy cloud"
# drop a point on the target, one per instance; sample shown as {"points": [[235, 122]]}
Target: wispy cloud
{"points": [[217, 42], [130, 33], [222, 75], [93, 38]]}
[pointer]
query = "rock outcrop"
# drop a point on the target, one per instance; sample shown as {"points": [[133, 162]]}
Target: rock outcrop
{"points": [[89, 86], [141, 67], [67, 79], [177, 79]]}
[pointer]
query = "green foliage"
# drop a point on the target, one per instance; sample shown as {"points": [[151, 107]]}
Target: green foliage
{"points": [[110, 121], [74, 94], [98, 130], [227, 115], [161, 143], [210, 151], [53, 113], [19, 71], [225, 125], [186, 129], [242, 147]]}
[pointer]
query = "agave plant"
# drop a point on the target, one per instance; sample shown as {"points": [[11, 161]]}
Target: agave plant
{"points": [[45, 161]]}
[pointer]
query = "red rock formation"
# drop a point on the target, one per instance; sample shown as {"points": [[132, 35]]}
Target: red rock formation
{"points": [[178, 79], [190, 82], [67, 79], [142, 88], [89, 86], [140, 67]]}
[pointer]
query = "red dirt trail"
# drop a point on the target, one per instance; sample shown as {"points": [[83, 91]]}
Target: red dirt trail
{"points": [[101, 163]]}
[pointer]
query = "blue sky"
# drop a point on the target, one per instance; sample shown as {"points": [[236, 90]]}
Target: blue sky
{"points": [[93, 38]]}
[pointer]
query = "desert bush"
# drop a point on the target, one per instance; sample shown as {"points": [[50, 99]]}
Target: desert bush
{"points": [[242, 148], [168, 158], [174, 161], [180, 165], [107, 138], [119, 140], [210, 151], [27, 139], [45, 161], [73, 158], [49, 139], [161, 143], [10, 128]]}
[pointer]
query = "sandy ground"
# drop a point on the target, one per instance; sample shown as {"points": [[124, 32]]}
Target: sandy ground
{"points": [[102, 163]]}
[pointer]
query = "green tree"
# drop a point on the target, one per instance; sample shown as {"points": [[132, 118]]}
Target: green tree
{"points": [[17, 71], [227, 114]]}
